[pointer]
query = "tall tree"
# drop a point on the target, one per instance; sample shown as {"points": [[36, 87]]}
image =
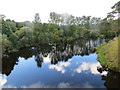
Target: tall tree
{"points": [[37, 18], [116, 8], [54, 18]]}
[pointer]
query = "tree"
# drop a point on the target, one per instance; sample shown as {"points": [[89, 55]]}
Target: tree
{"points": [[54, 18], [105, 28], [2, 16], [87, 24], [12, 26], [14, 40], [6, 44], [6, 28], [37, 18], [115, 22], [80, 32], [25, 37], [78, 20], [116, 8]]}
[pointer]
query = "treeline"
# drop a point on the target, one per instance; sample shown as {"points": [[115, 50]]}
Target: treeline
{"points": [[60, 28]]}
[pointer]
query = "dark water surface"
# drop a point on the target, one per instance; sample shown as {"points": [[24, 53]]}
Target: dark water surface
{"points": [[62, 65]]}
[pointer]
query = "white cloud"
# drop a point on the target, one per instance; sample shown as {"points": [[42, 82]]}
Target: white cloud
{"points": [[88, 66], [60, 67]]}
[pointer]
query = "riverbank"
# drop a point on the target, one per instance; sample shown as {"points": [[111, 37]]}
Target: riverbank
{"points": [[108, 54]]}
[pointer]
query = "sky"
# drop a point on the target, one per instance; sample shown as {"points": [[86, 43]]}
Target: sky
{"points": [[23, 10]]}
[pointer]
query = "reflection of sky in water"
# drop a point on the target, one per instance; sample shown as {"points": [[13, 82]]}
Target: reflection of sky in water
{"points": [[2, 80], [79, 71]]}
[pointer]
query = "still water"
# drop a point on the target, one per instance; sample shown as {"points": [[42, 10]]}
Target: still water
{"points": [[61, 65]]}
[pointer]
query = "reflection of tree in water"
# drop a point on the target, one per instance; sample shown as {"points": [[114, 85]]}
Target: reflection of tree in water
{"points": [[11, 60], [57, 52], [66, 51], [39, 60], [112, 80], [8, 64]]}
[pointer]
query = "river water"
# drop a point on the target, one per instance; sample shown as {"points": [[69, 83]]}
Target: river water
{"points": [[61, 65]]}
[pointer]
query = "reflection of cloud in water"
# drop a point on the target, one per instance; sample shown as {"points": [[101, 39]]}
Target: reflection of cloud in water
{"points": [[89, 66], [60, 66], [64, 85], [60, 85], [87, 85], [9, 86], [37, 85], [41, 85], [104, 73], [2, 80], [47, 59]]}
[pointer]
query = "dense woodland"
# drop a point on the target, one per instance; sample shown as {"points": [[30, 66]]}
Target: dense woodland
{"points": [[59, 29]]}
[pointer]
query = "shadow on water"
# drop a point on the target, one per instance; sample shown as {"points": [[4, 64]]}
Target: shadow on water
{"points": [[112, 80], [58, 52]]}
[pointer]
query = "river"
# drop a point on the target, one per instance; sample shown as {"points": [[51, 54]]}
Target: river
{"points": [[60, 65]]}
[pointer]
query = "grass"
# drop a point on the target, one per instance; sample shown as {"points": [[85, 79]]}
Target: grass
{"points": [[108, 54]]}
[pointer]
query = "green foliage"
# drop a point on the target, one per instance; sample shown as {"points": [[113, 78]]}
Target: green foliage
{"points": [[57, 35], [6, 28], [14, 40], [6, 44], [61, 27], [55, 18], [11, 25], [80, 32], [116, 8], [109, 28], [25, 37]]}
